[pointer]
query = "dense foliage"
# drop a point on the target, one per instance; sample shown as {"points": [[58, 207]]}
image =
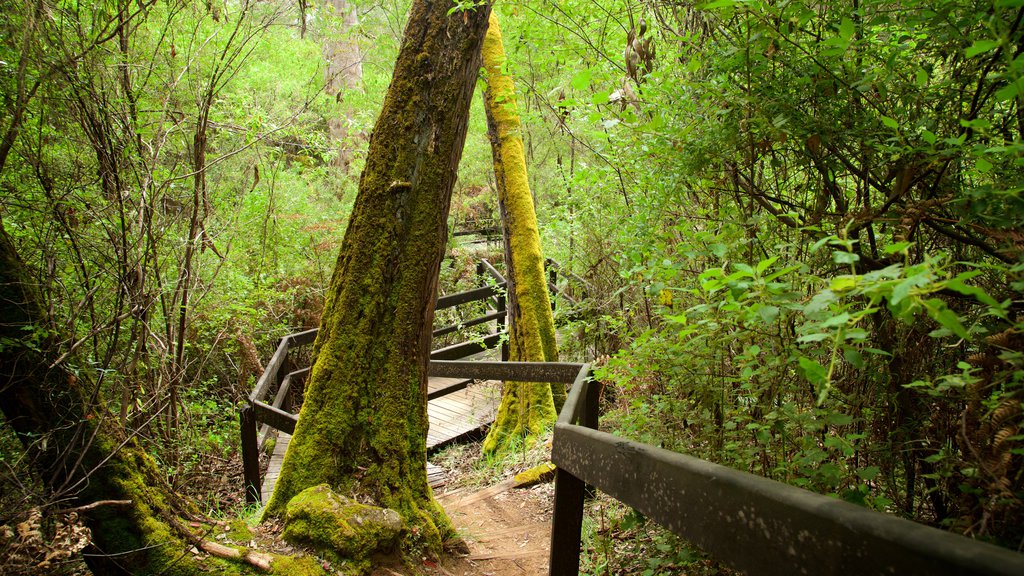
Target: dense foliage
{"points": [[803, 223]]}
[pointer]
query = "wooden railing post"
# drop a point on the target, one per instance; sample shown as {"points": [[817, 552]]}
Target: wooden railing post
{"points": [[570, 494], [566, 524], [552, 281], [250, 455], [500, 327]]}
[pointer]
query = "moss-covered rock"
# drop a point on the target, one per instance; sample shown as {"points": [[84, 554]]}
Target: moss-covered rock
{"points": [[536, 475], [339, 527]]}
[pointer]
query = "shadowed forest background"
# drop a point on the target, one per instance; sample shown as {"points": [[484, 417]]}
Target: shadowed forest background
{"points": [[798, 227]]}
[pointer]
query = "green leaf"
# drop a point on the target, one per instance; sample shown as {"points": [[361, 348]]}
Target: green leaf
{"points": [[982, 165], [897, 247], [950, 320], [980, 47], [1010, 91], [814, 372], [581, 80], [839, 320], [890, 122], [868, 473], [837, 419], [846, 29], [968, 290], [764, 264], [768, 313], [840, 257], [854, 358], [921, 78], [719, 4], [816, 337], [904, 288]]}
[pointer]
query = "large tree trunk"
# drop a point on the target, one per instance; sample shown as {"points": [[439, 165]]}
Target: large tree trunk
{"points": [[76, 446], [362, 428], [527, 408]]}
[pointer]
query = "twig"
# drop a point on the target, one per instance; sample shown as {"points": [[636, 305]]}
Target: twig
{"points": [[97, 504]]}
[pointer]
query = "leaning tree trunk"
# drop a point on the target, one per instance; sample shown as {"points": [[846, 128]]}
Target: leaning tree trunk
{"points": [[76, 446], [527, 408], [363, 424]]}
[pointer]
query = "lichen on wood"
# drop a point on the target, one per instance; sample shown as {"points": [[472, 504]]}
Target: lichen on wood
{"points": [[527, 409]]}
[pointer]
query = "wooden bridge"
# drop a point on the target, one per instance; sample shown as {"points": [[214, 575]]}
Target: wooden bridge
{"points": [[751, 523]]}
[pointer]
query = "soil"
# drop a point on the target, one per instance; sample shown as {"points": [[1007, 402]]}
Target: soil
{"points": [[507, 531]]}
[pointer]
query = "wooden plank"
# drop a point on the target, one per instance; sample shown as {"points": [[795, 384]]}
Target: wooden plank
{"points": [[274, 469], [489, 269], [277, 418], [462, 412], [437, 387], [250, 454], [467, 296], [559, 372], [269, 376], [464, 349], [303, 338], [436, 476], [471, 322], [765, 527]]}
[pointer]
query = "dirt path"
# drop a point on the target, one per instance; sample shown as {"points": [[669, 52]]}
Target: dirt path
{"points": [[506, 529]]}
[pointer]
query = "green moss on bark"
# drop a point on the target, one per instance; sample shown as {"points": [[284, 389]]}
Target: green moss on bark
{"points": [[362, 427], [527, 409]]}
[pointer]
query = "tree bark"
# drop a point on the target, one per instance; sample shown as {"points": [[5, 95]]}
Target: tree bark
{"points": [[363, 424], [527, 408]]}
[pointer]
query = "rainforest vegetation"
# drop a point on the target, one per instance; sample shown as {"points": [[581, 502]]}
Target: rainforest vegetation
{"points": [[796, 230]]}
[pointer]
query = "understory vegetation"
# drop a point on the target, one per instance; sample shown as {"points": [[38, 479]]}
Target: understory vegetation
{"points": [[793, 232]]}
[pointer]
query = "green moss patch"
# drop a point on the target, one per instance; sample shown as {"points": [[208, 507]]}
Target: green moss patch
{"points": [[339, 528], [536, 475]]}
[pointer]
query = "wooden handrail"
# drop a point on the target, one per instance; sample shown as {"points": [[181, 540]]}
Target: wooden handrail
{"points": [[752, 523]]}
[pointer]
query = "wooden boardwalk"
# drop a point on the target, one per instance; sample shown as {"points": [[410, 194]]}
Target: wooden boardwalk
{"points": [[467, 407]]}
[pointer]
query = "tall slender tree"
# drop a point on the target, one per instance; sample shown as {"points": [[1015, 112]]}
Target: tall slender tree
{"points": [[527, 408], [362, 428]]}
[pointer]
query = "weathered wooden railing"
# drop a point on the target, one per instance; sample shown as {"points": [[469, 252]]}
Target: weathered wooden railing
{"points": [[752, 523]]}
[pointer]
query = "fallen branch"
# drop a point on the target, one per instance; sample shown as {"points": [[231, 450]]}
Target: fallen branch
{"points": [[256, 559], [94, 505]]}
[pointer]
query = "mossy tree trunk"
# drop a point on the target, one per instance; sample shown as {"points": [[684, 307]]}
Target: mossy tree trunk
{"points": [[363, 424], [527, 408], [77, 448]]}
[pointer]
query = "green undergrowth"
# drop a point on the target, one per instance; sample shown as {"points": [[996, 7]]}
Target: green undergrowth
{"points": [[468, 467], [620, 540]]}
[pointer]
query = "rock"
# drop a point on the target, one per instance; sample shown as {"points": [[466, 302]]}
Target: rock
{"points": [[543, 473], [338, 526]]}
